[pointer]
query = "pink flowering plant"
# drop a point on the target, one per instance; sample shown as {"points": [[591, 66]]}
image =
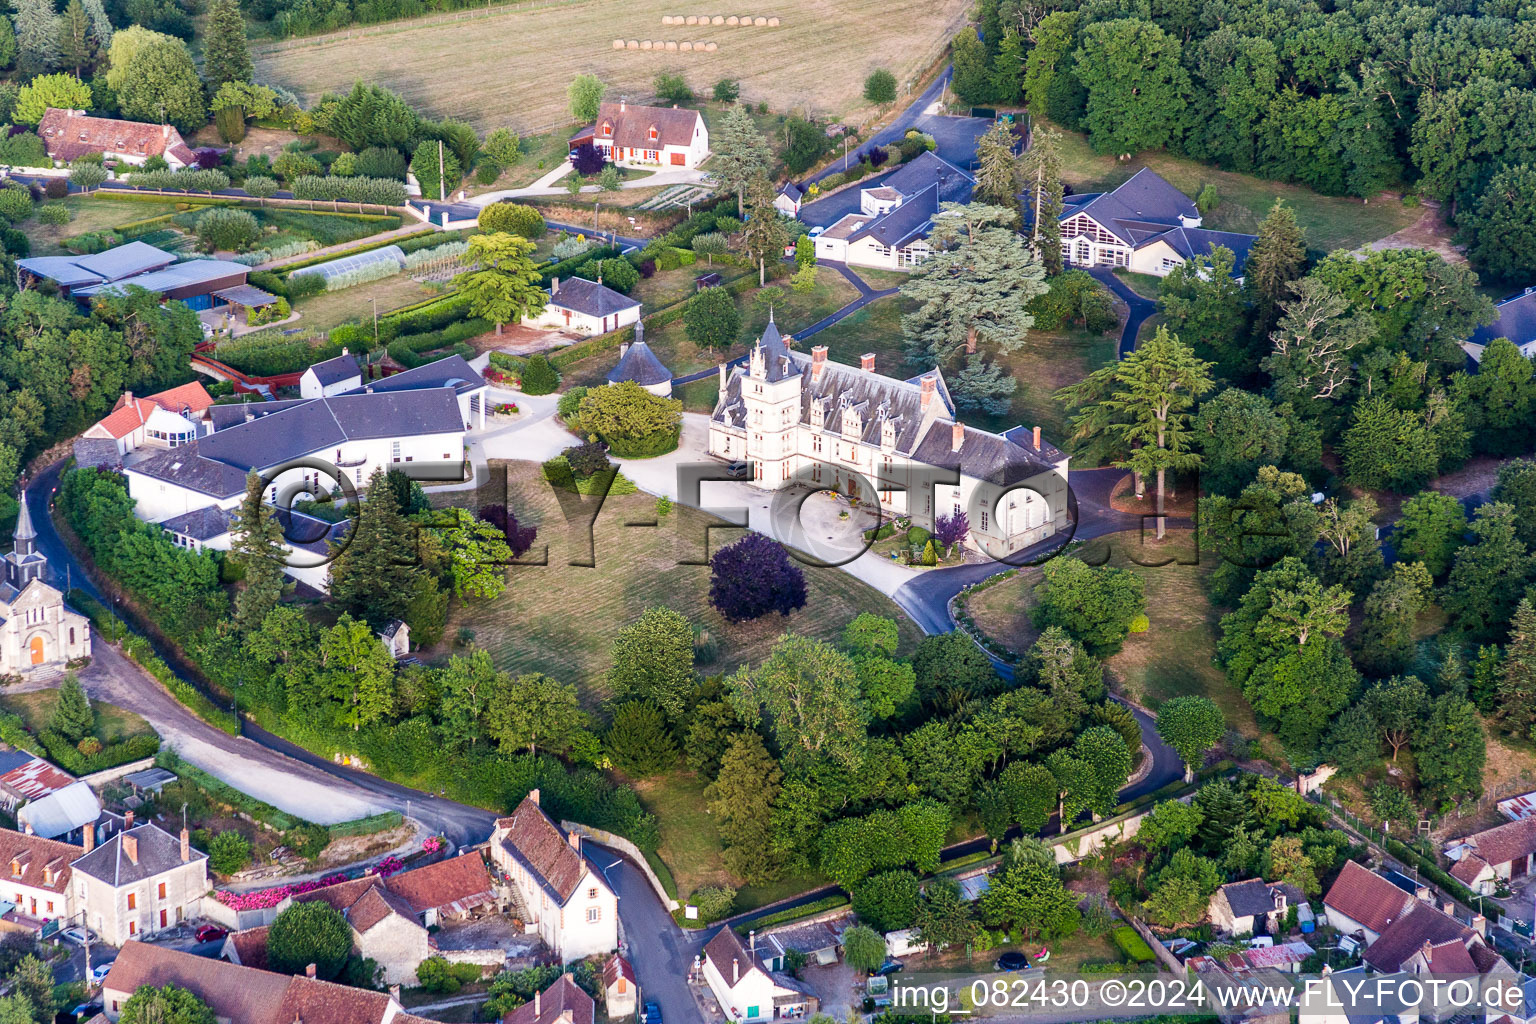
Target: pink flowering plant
{"points": [[261, 899]]}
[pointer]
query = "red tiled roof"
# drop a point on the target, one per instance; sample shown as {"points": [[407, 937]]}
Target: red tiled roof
{"points": [[251, 946], [341, 895], [130, 413], [1468, 868], [726, 949], [617, 967], [564, 1000], [631, 126], [1365, 896], [463, 880], [31, 859], [191, 395], [1505, 843], [1408, 934], [1450, 958], [542, 846], [69, 134], [374, 906]]}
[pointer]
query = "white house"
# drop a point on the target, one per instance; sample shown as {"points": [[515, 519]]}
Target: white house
{"points": [[71, 134], [166, 419], [1517, 322], [789, 199], [744, 986], [1361, 903], [639, 364], [1504, 852], [566, 900], [587, 307], [890, 229], [1146, 226], [637, 136], [332, 377], [806, 420]]}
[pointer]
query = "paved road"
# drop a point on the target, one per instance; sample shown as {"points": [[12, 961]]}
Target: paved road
{"points": [[956, 141], [1141, 307], [660, 950]]}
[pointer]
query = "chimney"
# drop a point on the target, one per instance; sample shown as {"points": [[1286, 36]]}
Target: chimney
{"points": [[930, 385], [90, 837], [1449, 908], [554, 286], [867, 361], [535, 1002], [533, 794], [621, 104], [623, 348], [1037, 439], [309, 971], [394, 992], [722, 376], [1480, 925], [128, 819], [344, 350], [186, 845], [957, 436], [127, 397], [574, 838], [27, 828], [131, 847], [818, 361], [735, 970], [752, 941]]}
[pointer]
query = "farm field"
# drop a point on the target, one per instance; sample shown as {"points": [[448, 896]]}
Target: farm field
{"points": [[1331, 222], [549, 43], [561, 619]]}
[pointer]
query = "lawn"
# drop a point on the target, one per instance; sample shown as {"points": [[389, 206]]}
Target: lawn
{"points": [[1171, 659], [326, 310], [113, 723], [1049, 360], [89, 215], [1331, 222], [456, 65], [561, 619]]}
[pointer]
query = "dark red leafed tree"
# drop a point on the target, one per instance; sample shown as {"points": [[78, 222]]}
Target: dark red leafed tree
{"points": [[587, 159], [755, 576], [519, 538], [951, 530]]}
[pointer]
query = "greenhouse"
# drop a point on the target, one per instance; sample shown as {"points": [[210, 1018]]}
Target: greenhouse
{"points": [[357, 268]]}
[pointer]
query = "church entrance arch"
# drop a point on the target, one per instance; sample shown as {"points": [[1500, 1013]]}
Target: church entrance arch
{"points": [[37, 650]]}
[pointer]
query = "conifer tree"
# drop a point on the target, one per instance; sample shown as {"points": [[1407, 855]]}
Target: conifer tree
{"points": [[75, 44], [997, 169], [226, 55], [72, 716], [376, 570], [258, 547], [37, 36], [1042, 181]]}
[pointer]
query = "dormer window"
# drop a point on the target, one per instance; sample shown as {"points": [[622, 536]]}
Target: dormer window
{"points": [[607, 131], [15, 868], [47, 876], [653, 134]]}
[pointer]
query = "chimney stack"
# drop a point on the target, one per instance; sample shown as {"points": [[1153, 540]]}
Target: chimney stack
{"points": [[1480, 925], [186, 844], [930, 385], [735, 970], [554, 287], [574, 838], [27, 828], [867, 361], [818, 361], [90, 837], [131, 847], [722, 376], [957, 436], [752, 941], [1037, 438], [621, 104], [533, 794], [309, 971], [394, 992], [535, 1002], [128, 819]]}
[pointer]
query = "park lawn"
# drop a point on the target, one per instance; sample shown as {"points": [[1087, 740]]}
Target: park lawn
{"points": [[540, 154], [113, 723], [1048, 360], [1173, 658], [561, 619], [667, 287], [1331, 222], [328, 309], [1148, 286], [89, 215]]}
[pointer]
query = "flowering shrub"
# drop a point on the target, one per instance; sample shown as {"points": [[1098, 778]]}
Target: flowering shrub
{"points": [[386, 867], [264, 898], [433, 844], [505, 408]]}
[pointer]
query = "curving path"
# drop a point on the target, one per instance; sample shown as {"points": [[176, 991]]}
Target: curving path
{"points": [[1141, 307]]}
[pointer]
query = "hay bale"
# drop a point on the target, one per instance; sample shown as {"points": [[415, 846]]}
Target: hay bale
{"points": [[711, 47], [717, 20], [671, 44], [685, 45], [760, 22], [733, 21], [646, 44], [618, 44], [666, 19], [773, 22], [746, 20], [693, 19], [633, 44]]}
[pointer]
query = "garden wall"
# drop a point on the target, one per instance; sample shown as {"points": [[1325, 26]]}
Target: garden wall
{"points": [[629, 850], [98, 779]]}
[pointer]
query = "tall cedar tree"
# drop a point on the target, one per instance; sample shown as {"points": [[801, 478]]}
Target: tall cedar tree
{"points": [[37, 37], [741, 800], [1278, 257], [741, 154], [1042, 181], [226, 55], [1516, 701], [1146, 399], [258, 547], [376, 569], [505, 287], [76, 47], [764, 234], [997, 169]]}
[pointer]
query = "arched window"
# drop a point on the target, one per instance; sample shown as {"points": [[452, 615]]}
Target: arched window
{"points": [[71, 636]]}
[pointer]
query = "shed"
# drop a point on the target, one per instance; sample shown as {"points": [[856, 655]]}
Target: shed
{"points": [[60, 812], [150, 780]]}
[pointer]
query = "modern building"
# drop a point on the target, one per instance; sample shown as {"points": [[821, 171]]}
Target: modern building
{"points": [[196, 282], [71, 134], [637, 136], [1146, 226], [804, 420], [166, 419], [141, 881], [38, 631], [744, 986], [890, 229], [332, 377], [637, 363], [586, 307], [565, 898]]}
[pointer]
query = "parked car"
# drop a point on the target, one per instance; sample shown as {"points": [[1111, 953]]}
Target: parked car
{"points": [[739, 470], [77, 935], [651, 1014], [211, 933], [1012, 962], [99, 973], [816, 232], [888, 968]]}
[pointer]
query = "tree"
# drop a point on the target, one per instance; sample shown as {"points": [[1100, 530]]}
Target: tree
{"points": [[887, 902], [226, 55], [1102, 749], [640, 741], [880, 86], [764, 234], [808, 692], [375, 570], [1040, 170], [1398, 706], [1515, 700], [1169, 825], [505, 285], [1191, 726], [468, 686], [951, 670], [478, 554], [168, 1005], [87, 176], [863, 948], [652, 659], [629, 419], [1137, 88], [37, 37], [513, 219], [1516, 487], [711, 318], [1176, 902], [1030, 897], [741, 154], [1394, 604], [1238, 431], [1387, 447], [313, 932], [161, 86], [1353, 744], [755, 576], [710, 244], [943, 919], [75, 44], [1094, 604], [7, 43], [672, 89], [540, 376], [1145, 400], [584, 96], [504, 147], [998, 179], [1488, 576], [1501, 227], [436, 168], [72, 717], [972, 78], [1277, 257], [741, 801], [727, 90], [358, 673], [534, 711], [1204, 306], [1429, 529], [63, 91], [228, 852], [1315, 345], [126, 44], [1449, 750]]}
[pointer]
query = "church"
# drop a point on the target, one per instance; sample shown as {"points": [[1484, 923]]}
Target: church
{"points": [[803, 419], [37, 630]]}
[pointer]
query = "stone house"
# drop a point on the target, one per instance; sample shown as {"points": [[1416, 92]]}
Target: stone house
{"points": [[621, 989], [36, 880], [744, 986], [1253, 906], [141, 881]]}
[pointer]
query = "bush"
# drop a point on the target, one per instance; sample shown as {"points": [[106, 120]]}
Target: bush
{"points": [[539, 378], [513, 218], [880, 87], [228, 229], [56, 214], [487, 171], [1132, 944], [618, 274], [673, 89], [381, 162], [15, 203], [754, 576], [228, 852], [309, 933], [570, 402], [713, 901], [634, 423], [435, 974], [57, 188], [727, 90]]}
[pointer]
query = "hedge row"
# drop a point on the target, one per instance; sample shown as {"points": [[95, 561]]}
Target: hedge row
{"points": [[366, 826], [135, 196], [1132, 944], [14, 731], [68, 756], [1427, 866], [137, 227]]}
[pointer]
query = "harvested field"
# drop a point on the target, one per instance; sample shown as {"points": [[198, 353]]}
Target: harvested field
{"points": [[511, 65]]}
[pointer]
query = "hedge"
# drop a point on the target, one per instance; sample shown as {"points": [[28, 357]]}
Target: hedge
{"points": [[366, 826], [135, 196], [14, 731], [135, 227], [793, 913], [1132, 944], [1427, 866], [68, 756]]}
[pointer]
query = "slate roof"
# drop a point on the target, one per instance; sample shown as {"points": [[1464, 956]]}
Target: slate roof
{"points": [[200, 524], [640, 365], [336, 369], [159, 851], [579, 295], [1505, 843], [1146, 197], [984, 455], [807, 938], [908, 221], [1362, 895], [222, 416], [450, 371], [70, 134], [1197, 243], [98, 453], [1249, 898], [36, 856], [794, 193], [631, 125], [925, 169], [541, 846], [564, 1000], [1407, 935], [1517, 321]]}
